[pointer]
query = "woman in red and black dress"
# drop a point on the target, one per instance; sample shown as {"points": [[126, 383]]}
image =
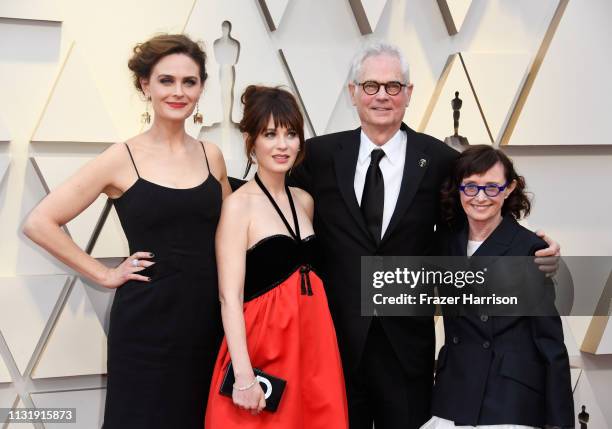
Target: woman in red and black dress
{"points": [[273, 304]]}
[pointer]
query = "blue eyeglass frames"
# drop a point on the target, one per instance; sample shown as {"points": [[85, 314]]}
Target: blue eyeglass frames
{"points": [[490, 190]]}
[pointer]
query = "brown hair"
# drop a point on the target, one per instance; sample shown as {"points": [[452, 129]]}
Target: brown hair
{"points": [[478, 159], [262, 103], [147, 54]]}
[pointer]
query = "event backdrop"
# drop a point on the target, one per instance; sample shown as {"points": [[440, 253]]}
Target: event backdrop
{"points": [[533, 77]]}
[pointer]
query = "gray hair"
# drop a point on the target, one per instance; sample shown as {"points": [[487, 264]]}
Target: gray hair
{"points": [[374, 50]]}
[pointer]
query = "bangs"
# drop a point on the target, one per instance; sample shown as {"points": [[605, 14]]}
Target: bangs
{"points": [[479, 164], [262, 103], [281, 116]]}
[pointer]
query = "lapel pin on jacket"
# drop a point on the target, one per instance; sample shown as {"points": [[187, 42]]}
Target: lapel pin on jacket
{"points": [[422, 162]]}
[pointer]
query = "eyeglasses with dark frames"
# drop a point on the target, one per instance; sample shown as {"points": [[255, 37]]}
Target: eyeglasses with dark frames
{"points": [[372, 87], [490, 189]]}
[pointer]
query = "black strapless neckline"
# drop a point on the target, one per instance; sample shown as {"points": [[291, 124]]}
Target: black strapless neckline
{"points": [[279, 236], [274, 259]]}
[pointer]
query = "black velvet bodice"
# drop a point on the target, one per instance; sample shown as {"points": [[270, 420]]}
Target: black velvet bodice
{"points": [[274, 259]]}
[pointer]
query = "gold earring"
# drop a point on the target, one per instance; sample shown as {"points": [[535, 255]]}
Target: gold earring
{"points": [[198, 118], [145, 118]]}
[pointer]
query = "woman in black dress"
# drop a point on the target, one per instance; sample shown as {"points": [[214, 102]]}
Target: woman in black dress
{"points": [[167, 188]]}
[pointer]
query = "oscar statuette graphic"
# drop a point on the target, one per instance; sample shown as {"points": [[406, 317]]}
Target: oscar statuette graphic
{"points": [[583, 418], [226, 51], [456, 141]]}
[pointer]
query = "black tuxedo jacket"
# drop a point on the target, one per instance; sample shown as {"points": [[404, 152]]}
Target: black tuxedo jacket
{"points": [[327, 173], [503, 370]]}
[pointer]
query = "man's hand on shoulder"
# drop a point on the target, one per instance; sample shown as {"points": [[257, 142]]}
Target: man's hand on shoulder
{"points": [[548, 258]]}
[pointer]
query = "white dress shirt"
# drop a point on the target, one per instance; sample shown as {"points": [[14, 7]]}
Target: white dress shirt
{"points": [[392, 167]]}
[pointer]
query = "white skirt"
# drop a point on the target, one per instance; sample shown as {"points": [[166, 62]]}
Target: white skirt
{"points": [[440, 423]]}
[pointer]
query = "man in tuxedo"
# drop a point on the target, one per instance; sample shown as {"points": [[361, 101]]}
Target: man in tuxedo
{"points": [[376, 192]]}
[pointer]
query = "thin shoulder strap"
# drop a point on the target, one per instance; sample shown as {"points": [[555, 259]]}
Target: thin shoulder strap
{"points": [[296, 234], [205, 157], [132, 158], [293, 213]]}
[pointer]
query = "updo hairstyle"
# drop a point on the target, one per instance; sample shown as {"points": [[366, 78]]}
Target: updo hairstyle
{"points": [[262, 103], [147, 54]]}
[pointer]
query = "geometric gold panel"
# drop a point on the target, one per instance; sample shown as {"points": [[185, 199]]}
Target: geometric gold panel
{"points": [[497, 79], [439, 334], [598, 338], [574, 49], [367, 13], [438, 119], [318, 103], [89, 404], [77, 343], [26, 303], [576, 327], [5, 135], [605, 345], [75, 111], [28, 425], [4, 164], [568, 337], [8, 396], [20, 425], [31, 259], [454, 13], [488, 84], [43, 10], [585, 394], [256, 61], [241, 52], [320, 66], [55, 171], [273, 11], [575, 377], [100, 297], [111, 242], [5, 376]]}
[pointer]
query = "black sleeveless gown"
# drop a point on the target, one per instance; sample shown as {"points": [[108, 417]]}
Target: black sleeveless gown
{"points": [[164, 335]]}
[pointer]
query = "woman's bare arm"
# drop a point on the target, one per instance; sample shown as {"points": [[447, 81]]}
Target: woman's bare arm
{"points": [[44, 223], [218, 168], [231, 247]]}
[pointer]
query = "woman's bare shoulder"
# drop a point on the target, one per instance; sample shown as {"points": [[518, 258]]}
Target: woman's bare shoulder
{"points": [[213, 152], [304, 197], [242, 198]]}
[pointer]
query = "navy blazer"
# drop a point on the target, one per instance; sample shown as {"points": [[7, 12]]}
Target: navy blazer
{"points": [[503, 370]]}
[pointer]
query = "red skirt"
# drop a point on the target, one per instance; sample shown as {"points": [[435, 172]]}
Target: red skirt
{"points": [[289, 335]]}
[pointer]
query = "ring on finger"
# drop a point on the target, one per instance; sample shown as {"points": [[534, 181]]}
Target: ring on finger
{"points": [[135, 263]]}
